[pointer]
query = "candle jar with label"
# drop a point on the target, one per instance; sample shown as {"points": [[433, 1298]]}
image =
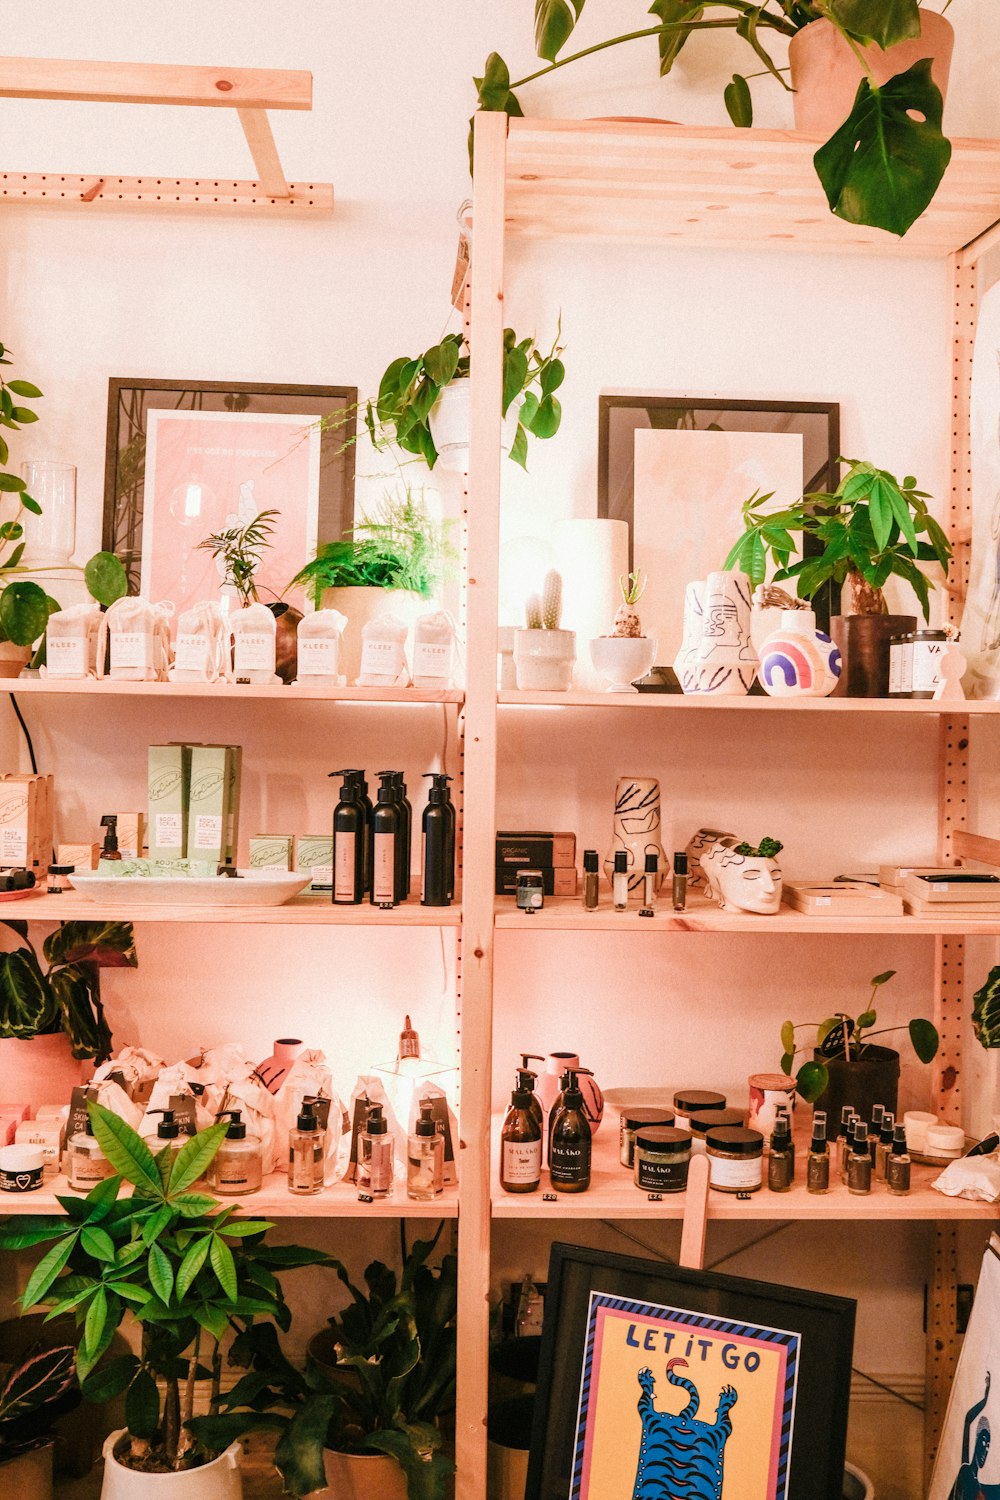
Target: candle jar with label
{"points": [[735, 1159]]}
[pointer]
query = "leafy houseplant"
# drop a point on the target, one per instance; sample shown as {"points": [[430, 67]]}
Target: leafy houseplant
{"points": [[846, 1067], [240, 549], [398, 546], [378, 1380], [24, 606], [881, 167], [40, 1388], [871, 528], [65, 996], [187, 1272], [410, 390], [986, 1010]]}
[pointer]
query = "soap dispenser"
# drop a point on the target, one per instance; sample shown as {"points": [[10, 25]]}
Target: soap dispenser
{"points": [[167, 1134], [86, 1163], [569, 1140], [521, 1141], [350, 836], [386, 872], [375, 1156], [438, 828], [425, 1158], [111, 850], [238, 1165], [405, 808], [306, 1153]]}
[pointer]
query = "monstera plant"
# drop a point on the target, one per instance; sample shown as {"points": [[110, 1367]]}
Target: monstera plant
{"points": [[881, 167], [63, 994]]}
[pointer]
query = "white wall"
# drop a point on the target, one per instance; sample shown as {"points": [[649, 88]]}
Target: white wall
{"points": [[87, 294]]}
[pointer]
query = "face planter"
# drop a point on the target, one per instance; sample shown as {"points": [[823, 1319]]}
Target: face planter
{"points": [[741, 881]]}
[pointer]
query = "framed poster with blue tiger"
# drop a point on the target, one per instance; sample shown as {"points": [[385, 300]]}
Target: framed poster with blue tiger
{"points": [[659, 1383]]}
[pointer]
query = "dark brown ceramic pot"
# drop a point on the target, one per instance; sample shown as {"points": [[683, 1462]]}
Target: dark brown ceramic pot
{"points": [[286, 642], [861, 1083], [863, 641]]}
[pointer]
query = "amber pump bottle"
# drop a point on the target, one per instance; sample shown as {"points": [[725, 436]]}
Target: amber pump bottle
{"points": [[884, 1147], [521, 1143], [897, 1171], [110, 825], [781, 1162], [569, 1140]]}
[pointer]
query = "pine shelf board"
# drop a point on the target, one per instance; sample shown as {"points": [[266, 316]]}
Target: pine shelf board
{"points": [[95, 188], [719, 186], [340, 1201], [706, 703], [301, 911], [567, 914], [227, 692], [613, 1195]]}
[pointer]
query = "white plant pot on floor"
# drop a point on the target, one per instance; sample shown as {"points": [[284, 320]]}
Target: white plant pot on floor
{"points": [[857, 1485], [543, 660], [219, 1480]]}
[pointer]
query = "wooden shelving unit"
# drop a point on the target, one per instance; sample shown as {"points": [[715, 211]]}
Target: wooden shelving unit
{"points": [[226, 692], [301, 911], [683, 704]]}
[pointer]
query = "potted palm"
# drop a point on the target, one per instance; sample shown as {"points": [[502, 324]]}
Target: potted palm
{"points": [[846, 1066], [40, 1388], [871, 528], [238, 551], [887, 65], [362, 1420], [394, 560], [51, 1015], [190, 1273]]}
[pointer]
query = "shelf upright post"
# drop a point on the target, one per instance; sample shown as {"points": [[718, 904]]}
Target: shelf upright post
{"points": [[483, 531]]}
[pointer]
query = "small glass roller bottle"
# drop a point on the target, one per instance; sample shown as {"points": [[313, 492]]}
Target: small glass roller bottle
{"points": [[884, 1147], [781, 1162], [859, 1161], [680, 882], [619, 880], [818, 1160], [590, 879], [425, 1158], [897, 1171], [650, 880]]}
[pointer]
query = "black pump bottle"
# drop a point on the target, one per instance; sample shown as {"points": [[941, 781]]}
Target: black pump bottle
{"points": [[438, 824], [349, 841]]}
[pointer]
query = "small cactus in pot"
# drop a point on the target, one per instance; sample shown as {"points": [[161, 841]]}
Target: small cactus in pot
{"points": [[627, 622], [543, 653]]}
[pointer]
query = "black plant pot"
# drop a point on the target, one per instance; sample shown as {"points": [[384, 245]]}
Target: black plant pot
{"points": [[863, 641], [861, 1083]]}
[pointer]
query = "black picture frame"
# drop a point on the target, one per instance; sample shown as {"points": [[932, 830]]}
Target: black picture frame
{"points": [[619, 414], [816, 1328], [130, 399]]}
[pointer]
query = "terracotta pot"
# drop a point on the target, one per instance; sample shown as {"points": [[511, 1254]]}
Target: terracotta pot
{"points": [[863, 641], [286, 640], [861, 1083], [825, 72], [13, 658], [363, 604], [41, 1070], [361, 1476], [29, 1476]]}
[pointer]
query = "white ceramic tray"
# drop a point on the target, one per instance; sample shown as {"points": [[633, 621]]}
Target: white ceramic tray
{"points": [[251, 888]]}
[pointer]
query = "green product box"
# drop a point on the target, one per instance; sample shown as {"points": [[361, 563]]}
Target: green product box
{"points": [[270, 851], [208, 802], [314, 852], [168, 789]]}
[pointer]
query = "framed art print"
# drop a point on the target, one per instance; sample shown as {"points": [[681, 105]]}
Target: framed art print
{"points": [[656, 1381], [188, 458]]}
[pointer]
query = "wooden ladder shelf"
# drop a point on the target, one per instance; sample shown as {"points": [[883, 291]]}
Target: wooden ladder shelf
{"points": [[251, 92]]}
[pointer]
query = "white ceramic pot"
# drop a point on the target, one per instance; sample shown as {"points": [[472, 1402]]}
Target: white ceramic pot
{"points": [[361, 1476], [219, 1480], [361, 605], [43, 1067], [825, 72], [450, 421], [543, 660], [857, 1485], [29, 1475], [505, 654], [620, 659]]}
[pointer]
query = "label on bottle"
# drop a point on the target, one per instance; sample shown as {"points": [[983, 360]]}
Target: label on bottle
{"points": [[382, 659], [818, 1172], [661, 1176], [522, 1162], [253, 651], [131, 648], [318, 656], [739, 1173], [207, 831], [384, 868], [569, 1161], [433, 660], [375, 1166], [343, 867], [169, 830], [927, 665], [66, 656], [191, 653], [895, 668]]}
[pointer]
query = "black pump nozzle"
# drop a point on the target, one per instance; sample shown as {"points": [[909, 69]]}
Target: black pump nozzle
{"points": [[426, 1125], [376, 1124], [110, 822], [307, 1119], [526, 1080], [168, 1129], [237, 1129], [438, 791]]}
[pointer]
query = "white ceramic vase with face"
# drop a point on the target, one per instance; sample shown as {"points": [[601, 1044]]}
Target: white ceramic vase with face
{"points": [[722, 660], [694, 616], [637, 829], [741, 882]]}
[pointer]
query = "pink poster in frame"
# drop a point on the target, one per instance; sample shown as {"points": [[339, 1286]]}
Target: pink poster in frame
{"points": [[207, 471]]}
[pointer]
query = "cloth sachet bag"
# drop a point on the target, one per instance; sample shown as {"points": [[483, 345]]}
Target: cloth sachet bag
{"points": [[319, 638], [133, 643], [254, 648], [435, 639], [202, 647], [71, 643], [383, 653]]}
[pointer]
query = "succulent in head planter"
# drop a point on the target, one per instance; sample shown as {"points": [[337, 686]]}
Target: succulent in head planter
{"points": [[882, 166], [378, 1380], [871, 528], [190, 1272], [40, 1388], [410, 390], [65, 996], [627, 622], [843, 1039]]}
